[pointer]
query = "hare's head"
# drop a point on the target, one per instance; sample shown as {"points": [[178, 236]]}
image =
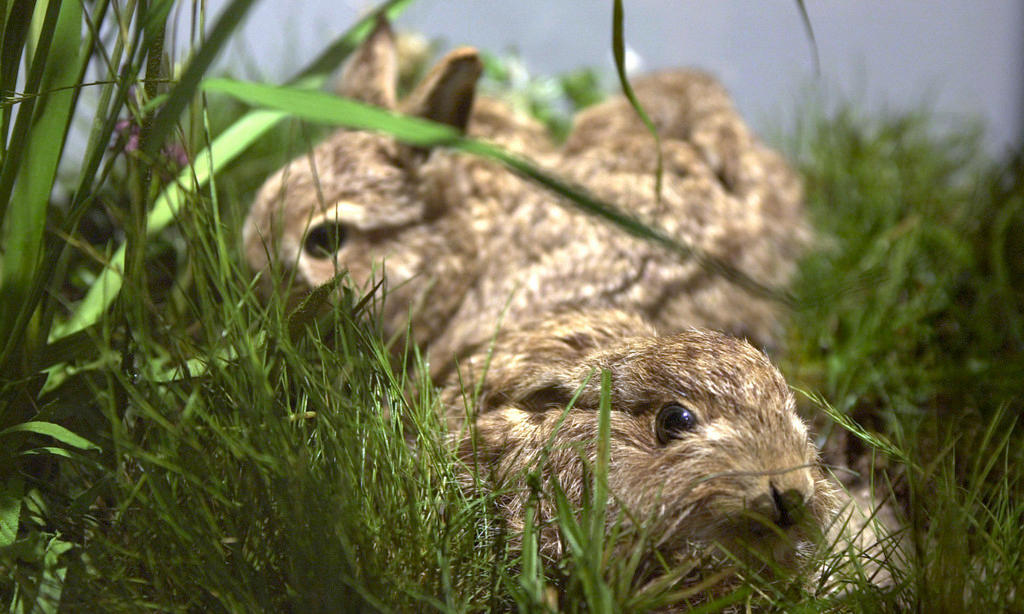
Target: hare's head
{"points": [[706, 448], [361, 201]]}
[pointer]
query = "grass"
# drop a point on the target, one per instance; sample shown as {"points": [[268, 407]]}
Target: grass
{"points": [[909, 322], [171, 443]]}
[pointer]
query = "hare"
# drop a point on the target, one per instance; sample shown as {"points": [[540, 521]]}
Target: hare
{"points": [[705, 446], [462, 243]]}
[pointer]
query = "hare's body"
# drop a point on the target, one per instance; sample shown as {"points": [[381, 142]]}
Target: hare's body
{"points": [[463, 245], [538, 257]]}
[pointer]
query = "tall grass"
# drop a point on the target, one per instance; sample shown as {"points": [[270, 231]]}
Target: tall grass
{"points": [[168, 442]]}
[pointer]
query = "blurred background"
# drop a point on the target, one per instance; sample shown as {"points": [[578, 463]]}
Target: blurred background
{"points": [[961, 59]]}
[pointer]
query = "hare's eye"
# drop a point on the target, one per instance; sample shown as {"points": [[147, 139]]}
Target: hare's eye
{"points": [[674, 420], [323, 240]]}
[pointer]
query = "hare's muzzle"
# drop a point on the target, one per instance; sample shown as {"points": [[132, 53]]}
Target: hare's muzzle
{"points": [[783, 509]]}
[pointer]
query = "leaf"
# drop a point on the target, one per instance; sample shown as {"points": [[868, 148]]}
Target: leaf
{"points": [[46, 599], [619, 51], [329, 109], [55, 431], [530, 577], [156, 16], [10, 510], [15, 28], [51, 585], [339, 50], [601, 467], [18, 139], [58, 66]]}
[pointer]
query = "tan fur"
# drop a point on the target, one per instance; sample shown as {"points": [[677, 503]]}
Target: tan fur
{"points": [[465, 238], [712, 487]]}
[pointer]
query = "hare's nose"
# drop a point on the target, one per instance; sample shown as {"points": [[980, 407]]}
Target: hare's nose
{"points": [[782, 507], [788, 506]]}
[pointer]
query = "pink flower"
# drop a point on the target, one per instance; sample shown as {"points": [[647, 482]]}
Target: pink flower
{"points": [[128, 130]]}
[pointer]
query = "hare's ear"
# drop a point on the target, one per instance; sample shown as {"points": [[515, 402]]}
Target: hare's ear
{"points": [[545, 395], [525, 383], [446, 94], [536, 397], [372, 71]]}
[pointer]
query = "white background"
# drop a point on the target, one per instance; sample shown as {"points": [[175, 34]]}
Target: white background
{"points": [[964, 59]]}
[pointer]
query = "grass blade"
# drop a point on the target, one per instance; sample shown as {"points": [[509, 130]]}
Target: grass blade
{"points": [[169, 113], [36, 173], [809, 29], [54, 431], [231, 143], [619, 52], [327, 108], [597, 529], [15, 27], [339, 50], [19, 137]]}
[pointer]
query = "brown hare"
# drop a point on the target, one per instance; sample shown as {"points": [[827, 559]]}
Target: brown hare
{"points": [[705, 442], [460, 241]]}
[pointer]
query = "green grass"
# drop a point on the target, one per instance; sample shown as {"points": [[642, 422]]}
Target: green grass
{"points": [[170, 443]]}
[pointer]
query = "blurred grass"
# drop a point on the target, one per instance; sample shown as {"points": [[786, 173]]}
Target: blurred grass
{"points": [[251, 460], [922, 258], [909, 320]]}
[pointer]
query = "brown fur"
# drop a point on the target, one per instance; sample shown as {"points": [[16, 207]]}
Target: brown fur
{"points": [[462, 239], [712, 486]]}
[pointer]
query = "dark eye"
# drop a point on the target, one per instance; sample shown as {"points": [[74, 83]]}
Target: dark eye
{"points": [[674, 420], [323, 240]]}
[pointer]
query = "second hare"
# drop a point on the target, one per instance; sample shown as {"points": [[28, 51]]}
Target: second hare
{"points": [[462, 242]]}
